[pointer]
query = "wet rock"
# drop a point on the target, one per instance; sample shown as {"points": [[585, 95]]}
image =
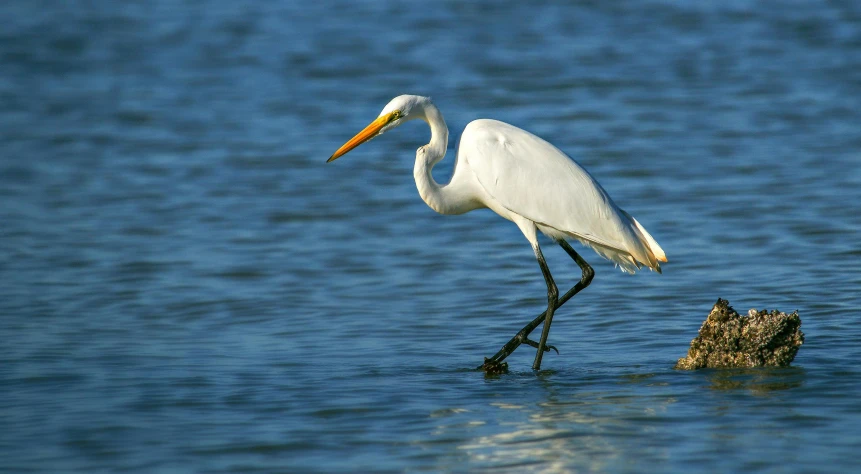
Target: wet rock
{"points": [[728, 340]]}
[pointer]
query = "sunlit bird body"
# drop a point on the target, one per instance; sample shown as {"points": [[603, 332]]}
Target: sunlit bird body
{"points": [[528, 181]]}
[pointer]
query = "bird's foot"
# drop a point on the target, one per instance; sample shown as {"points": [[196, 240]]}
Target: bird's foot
{"points": [[495, 364], [534, 344], [492, 367]]}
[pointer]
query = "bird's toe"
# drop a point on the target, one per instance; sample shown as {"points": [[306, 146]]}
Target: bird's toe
{"points": [[534, 344], [492, 367]]}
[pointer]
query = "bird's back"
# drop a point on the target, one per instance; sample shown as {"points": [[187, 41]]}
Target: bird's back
{"points": [[530, 177]]}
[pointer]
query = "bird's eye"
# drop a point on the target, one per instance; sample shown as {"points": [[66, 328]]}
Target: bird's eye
{"points": [[396, 114]]}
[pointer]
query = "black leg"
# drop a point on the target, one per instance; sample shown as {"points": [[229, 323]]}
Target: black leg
{"points": [[552, 299], [522, 335]]}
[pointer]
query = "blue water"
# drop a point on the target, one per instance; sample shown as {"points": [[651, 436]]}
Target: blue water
{"points": [[187, 286]]}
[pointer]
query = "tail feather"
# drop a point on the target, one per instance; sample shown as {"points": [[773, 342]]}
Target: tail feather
{"points": [[655, 252], [646, 250], [623, 260], [650, 241]]}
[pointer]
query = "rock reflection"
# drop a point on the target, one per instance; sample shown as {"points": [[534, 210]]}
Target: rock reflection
{"points": [[758, 380]]}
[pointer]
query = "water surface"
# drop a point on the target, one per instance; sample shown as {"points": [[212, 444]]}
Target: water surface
{"points": [[185, 285]]}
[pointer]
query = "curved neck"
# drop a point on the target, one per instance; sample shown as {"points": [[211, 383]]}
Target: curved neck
{"points": [[439, 134], [441, 198]]}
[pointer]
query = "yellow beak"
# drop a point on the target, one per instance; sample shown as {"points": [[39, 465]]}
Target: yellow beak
{"points": [[368, 133]]}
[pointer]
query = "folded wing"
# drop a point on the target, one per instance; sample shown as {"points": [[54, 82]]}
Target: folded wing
{"points": [[534, 179]]}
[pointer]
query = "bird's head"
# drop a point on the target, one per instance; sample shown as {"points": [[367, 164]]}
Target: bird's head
{"points": [[399, 110]]}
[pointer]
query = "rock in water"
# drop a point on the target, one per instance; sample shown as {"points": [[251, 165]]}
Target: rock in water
{"points": [[759, 339]]}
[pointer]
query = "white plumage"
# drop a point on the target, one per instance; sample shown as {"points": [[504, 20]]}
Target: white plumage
{"points": [[528, 181], [532, 178]]}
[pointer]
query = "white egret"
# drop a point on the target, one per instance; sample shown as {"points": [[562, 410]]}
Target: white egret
{"points": [[530, 182]]}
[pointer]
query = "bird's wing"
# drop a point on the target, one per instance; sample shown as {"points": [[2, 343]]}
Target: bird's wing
{"points": [[534, 179]]}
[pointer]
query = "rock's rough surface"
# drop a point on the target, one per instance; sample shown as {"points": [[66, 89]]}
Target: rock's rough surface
{"points": [[759, 339]]}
